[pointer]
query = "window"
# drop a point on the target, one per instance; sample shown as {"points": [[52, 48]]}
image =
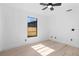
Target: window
{"points": [[32, 26]]}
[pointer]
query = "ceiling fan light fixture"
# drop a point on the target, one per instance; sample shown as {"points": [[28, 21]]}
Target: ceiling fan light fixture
{"points": [[49, 6]]}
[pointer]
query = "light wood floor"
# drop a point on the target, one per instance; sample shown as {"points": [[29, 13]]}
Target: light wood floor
{"points": [[59, 50]]}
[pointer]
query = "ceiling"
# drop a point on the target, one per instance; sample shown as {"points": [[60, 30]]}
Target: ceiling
{"points": [[36, 7], [31, 7]]}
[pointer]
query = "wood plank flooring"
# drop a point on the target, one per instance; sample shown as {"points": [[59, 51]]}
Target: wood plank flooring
{"points": [[42, 48]]}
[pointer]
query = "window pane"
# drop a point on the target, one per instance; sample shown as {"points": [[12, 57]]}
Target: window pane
{"points": [[32, 27]]}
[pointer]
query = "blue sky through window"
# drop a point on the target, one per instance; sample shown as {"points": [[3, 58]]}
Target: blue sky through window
{"points": [[30, 19]]}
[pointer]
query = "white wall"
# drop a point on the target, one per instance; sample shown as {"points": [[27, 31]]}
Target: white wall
{"points": [[0, 28], [15, 24], [62, 22]]}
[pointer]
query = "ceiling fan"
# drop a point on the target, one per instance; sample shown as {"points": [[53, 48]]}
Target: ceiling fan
{"points": [[50, 5]]}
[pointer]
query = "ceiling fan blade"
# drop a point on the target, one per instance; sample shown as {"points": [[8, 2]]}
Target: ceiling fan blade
{"points": [[57, 4], [44, 8], [44, 4]]}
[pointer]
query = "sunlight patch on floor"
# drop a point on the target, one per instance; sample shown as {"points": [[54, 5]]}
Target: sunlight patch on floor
{"points": [[42, 49]]}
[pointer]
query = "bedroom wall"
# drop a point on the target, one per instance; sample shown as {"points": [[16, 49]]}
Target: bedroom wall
{"points": [[0, 28], [15, 25], [61, 23]]}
